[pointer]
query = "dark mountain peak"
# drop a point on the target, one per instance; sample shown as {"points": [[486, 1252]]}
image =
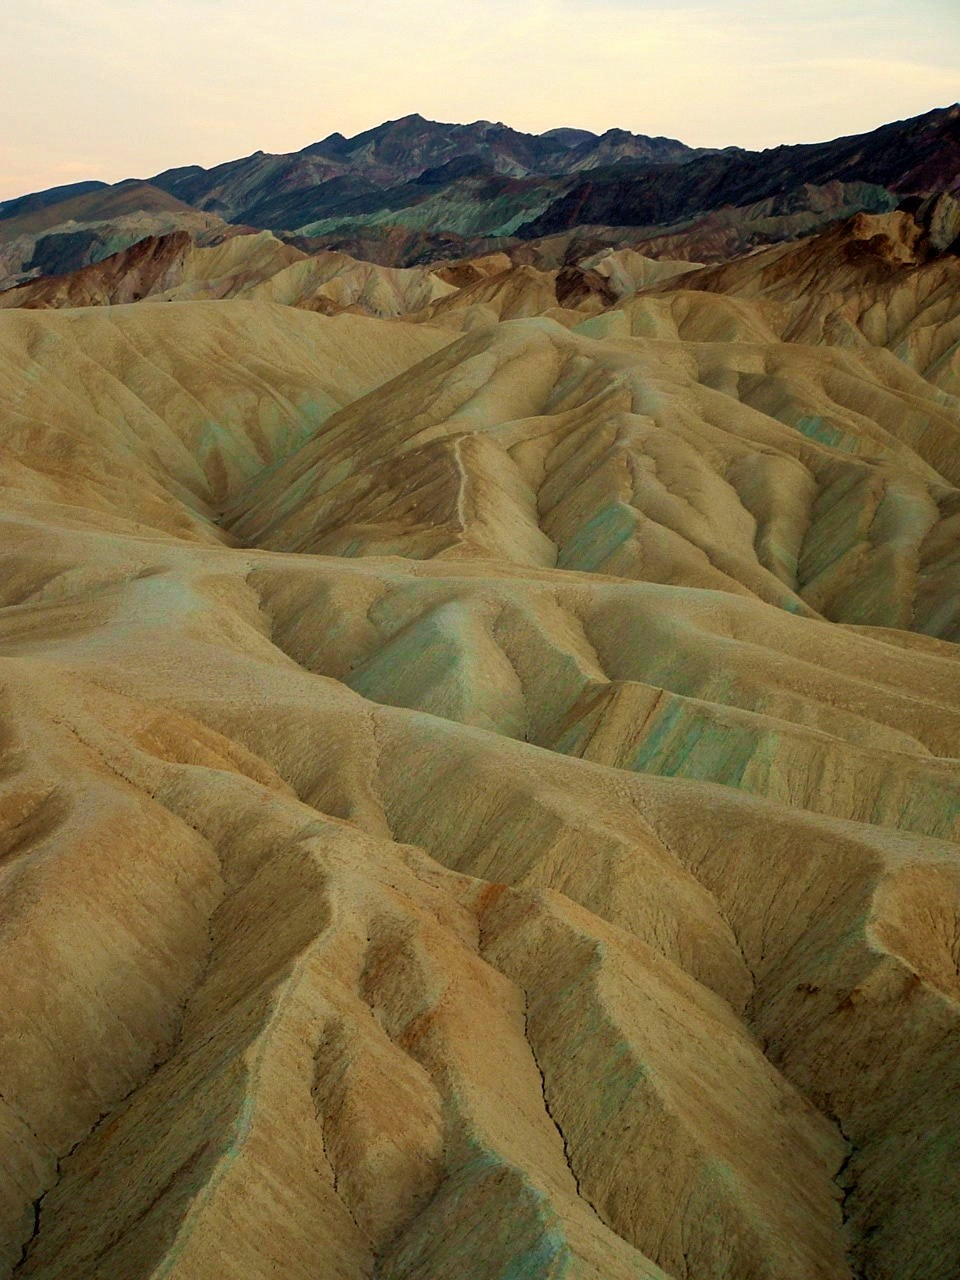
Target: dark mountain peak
{"points": [[334, 145], [568, 137], [412, 123], [45, 199], [620, 146], [396, 131]]}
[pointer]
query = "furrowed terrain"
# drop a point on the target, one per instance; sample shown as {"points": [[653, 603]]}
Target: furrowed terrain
{"points": [[479, 779]]}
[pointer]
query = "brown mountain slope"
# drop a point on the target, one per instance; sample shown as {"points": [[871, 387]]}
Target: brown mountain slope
{"points": [[100, 205], [480, 791]]}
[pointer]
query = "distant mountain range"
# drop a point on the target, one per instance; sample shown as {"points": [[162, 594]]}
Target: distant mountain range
{"points": [[413, 190]]}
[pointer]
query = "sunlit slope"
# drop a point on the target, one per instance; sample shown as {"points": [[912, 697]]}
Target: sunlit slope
{"points": [[154, 417], [870, 282], [814, 478], [174, 268], [479, 791], [164, 720]]}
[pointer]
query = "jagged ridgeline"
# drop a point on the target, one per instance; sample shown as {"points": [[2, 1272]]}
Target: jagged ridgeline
{"points": [[480, 723], [413, 191]]}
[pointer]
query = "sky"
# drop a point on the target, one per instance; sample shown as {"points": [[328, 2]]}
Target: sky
{"points": [[111, 89]]}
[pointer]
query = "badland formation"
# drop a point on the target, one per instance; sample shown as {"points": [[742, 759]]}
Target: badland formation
{"points": [[480, 725]]}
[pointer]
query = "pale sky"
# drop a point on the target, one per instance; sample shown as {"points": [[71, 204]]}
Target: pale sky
{"points": [[121, 88]]}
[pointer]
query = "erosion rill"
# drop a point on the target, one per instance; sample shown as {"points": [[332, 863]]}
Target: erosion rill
{"points": [[479, 778]]}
